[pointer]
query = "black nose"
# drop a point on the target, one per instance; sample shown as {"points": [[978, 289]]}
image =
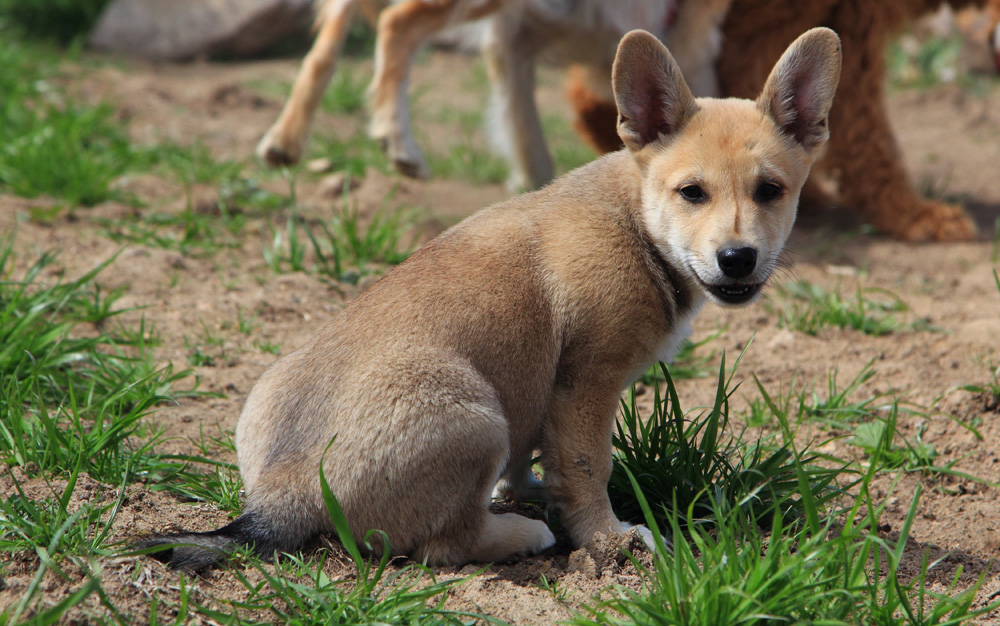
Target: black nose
{"points": [[737, 262]]}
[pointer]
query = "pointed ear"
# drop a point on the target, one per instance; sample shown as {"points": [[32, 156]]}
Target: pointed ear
{"points": [[653, 99], [799, 92]]}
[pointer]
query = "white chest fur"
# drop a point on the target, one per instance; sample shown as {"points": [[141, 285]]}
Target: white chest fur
{"points": [[670, 344]]}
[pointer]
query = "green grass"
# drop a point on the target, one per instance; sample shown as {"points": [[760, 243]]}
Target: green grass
{"points": [[346, 93], [924, 64], [877, 440], [42, 356], [809, 308], [75, 395], [353, 154], [297, 590], [568, 150], [50, 146], [751, 569], [203, 229], [683, 461], [342, 248], [768, 543], [468, 160]]}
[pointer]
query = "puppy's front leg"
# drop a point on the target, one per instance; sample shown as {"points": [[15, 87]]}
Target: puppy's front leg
{"points": [[577, 457]]}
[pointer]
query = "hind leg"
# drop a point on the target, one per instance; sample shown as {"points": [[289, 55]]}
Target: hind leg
{"points": [[519, 483], [285, 141]]}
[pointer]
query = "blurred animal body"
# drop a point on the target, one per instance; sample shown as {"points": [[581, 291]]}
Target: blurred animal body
{"points": [[583, 32], [517, 329]]}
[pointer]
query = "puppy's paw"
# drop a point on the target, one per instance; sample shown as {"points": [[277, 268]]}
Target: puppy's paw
{"points": [[936, 221], [544, 539]]}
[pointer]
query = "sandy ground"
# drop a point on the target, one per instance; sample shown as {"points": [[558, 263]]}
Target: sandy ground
{"points": [[951, 138]]}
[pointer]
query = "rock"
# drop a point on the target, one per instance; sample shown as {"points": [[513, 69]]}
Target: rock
{"points": [[319, 166], [333, 186], [176, 30]]}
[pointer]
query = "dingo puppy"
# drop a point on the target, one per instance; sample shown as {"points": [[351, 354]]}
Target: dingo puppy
{"points": [[518, 328]]}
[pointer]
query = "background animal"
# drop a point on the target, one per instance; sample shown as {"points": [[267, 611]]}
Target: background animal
{"points": [[516, 33], [863, 155]]}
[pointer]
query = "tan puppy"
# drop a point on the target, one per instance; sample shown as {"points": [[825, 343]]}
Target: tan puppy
{"points": [[518, 328]]}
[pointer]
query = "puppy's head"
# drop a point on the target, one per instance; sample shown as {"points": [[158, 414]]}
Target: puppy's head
{"points": [[721, 178]]}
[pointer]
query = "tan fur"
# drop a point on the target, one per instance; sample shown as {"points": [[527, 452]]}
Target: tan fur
{"points": [[584, 32], [517, 329]]}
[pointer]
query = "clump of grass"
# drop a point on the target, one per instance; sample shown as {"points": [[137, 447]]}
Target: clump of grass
{"points": [[29, 522], [683, 462], [76, 404], [877, 439], [731, 561], [747, 568], [467, 156], [341, 248], [839, 407], [988, 391], [53, 147], [195, 164], [41, 352], [346, 93], [809, 308], [73, 152], [465, 161]]}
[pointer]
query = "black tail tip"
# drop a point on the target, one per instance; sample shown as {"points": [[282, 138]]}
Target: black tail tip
{"points": [[186, 552], [196, 551]]}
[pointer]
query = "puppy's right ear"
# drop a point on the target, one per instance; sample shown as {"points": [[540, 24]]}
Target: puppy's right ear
{"points": [[653, 100], [799, 92]]}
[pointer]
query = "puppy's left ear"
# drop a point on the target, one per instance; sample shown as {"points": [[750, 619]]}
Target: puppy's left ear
{"points": [[653, 100], [799, 92]]}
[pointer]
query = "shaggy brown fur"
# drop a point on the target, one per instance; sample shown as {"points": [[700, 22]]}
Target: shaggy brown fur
{"points": [[862, 152]]}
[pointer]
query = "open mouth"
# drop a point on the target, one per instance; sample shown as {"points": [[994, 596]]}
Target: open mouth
{"points": [[734, 293]]}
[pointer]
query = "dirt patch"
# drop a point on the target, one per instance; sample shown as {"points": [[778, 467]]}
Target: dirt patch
{"points": [[951, 138]]}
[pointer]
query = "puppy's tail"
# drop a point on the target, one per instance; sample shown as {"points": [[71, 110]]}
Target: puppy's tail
{"points": [[196, 551]]}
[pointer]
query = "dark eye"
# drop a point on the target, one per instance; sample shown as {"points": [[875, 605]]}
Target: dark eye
{"points": [[766, 192], [693, 193]]}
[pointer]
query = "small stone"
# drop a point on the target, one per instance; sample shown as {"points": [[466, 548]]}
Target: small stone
{"points": [[782, 339], [333, 186], [319, 166]]}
